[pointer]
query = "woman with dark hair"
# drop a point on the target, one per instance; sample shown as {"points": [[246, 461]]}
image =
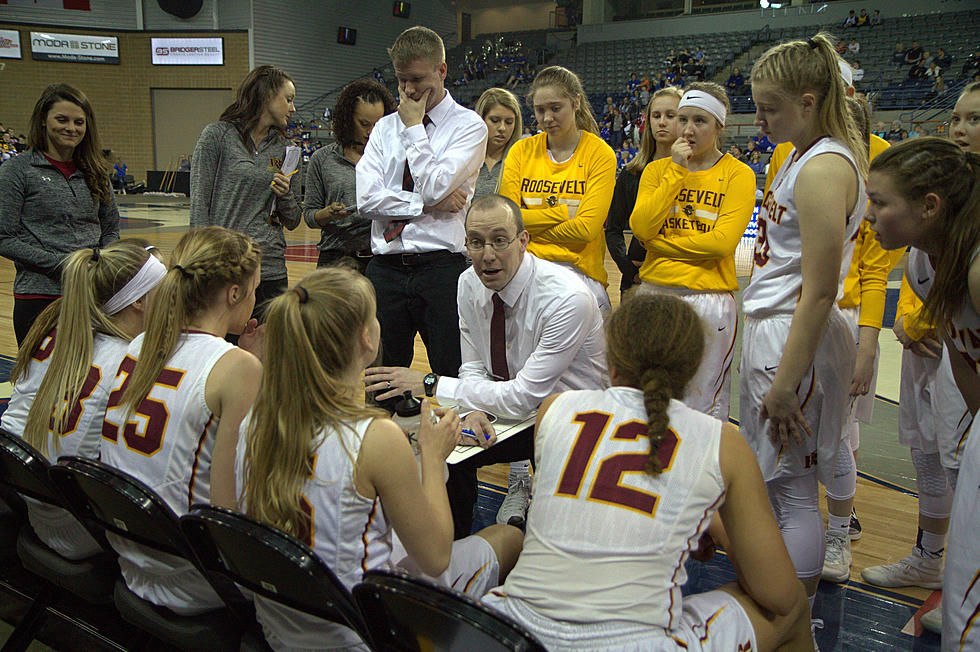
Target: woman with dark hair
{"points": [[43, 219], [235, 172], [330, 188]]}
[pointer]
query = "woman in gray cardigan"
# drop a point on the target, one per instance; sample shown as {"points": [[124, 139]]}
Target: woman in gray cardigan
{"points": [[235, 173], [54, 198]]}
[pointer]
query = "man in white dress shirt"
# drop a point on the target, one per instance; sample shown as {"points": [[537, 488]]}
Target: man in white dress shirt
{"points": [[414, 181], [529, 328]]}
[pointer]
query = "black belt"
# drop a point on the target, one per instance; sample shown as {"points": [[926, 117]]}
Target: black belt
{"points": [[415, 260]]}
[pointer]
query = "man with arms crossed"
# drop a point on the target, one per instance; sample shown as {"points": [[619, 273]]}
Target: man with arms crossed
{"points": [[418, 171], [529, 328]]}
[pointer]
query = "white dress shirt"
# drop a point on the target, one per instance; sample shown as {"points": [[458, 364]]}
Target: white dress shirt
{"points": [[443, 156], [554, 337]]}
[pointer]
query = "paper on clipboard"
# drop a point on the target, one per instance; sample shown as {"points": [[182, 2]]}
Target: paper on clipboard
{"points": [[290, 162], [505, 430]]}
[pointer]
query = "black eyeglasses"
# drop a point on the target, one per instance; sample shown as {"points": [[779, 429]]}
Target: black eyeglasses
{"points": [[498, 244]]}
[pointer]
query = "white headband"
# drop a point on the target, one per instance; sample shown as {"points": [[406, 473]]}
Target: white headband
{"points": [[145, 280], [846, 73], [701, 100]]}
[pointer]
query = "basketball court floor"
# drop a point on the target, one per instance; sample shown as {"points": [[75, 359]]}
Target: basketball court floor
{"points": [[856, 616]]}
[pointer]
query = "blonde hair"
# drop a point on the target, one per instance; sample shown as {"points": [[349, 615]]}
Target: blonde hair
{"points": [[89, 279], [798, 67], [203, 262], [972, 87], [570, 86], [654, 342], [417, 43], [648, 144], [718, 92], [312, 334], [503, 97]]}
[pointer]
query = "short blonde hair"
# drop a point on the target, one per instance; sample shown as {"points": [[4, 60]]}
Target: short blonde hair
{"points": [[417, 43]]}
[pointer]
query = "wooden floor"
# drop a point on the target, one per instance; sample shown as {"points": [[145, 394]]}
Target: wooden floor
{"points": [[888, 515]]}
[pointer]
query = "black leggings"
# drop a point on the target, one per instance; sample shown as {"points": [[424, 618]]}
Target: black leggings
{"points": [[25, 312]]}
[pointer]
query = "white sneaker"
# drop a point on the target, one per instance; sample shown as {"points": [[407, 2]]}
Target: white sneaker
{"points": [[911, 571], [815, 624], [933, 620], [837, 559], [513, 511]]}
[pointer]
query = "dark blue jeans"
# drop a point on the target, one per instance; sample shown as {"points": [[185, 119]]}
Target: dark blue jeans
{"points": [[416, 293]]}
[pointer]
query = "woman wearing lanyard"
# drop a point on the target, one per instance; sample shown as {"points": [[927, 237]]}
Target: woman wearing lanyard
{"points": [[54, 199]]}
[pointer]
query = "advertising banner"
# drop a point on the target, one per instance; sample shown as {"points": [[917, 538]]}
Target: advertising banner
{"points": [[83, 48], [9, 44], [187, 51]]}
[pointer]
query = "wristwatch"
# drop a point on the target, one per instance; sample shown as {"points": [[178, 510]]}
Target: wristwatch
{"points": [[429, 384]]}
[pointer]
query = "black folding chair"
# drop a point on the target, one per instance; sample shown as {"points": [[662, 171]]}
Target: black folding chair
{"points": [[24, 471], [409, 614], [269, 563], [126, 507]]}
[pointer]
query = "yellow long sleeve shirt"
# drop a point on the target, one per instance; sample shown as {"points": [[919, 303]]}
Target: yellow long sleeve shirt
{"points": [[691, 222], [867, 278], [910, 309], [564, 205]]}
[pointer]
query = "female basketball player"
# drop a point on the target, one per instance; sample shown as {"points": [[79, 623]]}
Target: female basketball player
{"points": [[338, 475], [67, 366], [236, 180], [603, 561], [563, 179], [499, 109], [798, 350], [658, 136], [179, 397], [926, 193], [691, 211]]}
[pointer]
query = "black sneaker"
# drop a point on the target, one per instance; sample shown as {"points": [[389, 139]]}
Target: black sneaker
{"points": [[854, 531]]}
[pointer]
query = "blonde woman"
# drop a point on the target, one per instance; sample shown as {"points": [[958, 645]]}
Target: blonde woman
{"points": [[659, 135], [339, 475], [67, 365], [179, 396], [563, 179], [499, 109]]}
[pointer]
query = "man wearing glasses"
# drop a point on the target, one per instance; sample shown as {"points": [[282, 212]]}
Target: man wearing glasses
{"points": [[528, 328]]}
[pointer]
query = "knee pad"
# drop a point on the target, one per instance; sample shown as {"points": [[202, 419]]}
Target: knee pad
{"points": [[796, 505], [844, 483], [935, 494], [852, 435]]}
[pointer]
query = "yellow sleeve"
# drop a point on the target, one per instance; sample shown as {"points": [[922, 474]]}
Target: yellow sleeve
{"points": [[593, 208], [910, 309], [536, 220], [722, 240], [776, 161], [873, 268], [658, 188]]}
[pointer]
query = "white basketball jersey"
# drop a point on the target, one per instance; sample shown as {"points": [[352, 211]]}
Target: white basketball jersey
{"points": [[83, 430], [605, 540], [965, 327], [349, 533], [777, 276]]}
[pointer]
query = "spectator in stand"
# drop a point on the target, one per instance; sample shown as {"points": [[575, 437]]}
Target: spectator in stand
{"points": [[863, 19], [927, 58], [857, 72], [345, 236], [894, 134], [851, 20], [854, 47], [735, 151], [617, 128], [632, 84], [662, 81], [608, 108], [916, 71], [880, 130], [971, 65], [938, 88], [762, 142], [898, 56], [644, 96], [699, 54], [736, 82], [876, 18], [645, 82], [41, 221], [942, 59], [914, 54], [933, 70], [119, 172], [756, 163]]}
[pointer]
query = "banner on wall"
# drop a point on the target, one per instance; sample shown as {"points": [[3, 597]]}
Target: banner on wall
{"points": [[9, 44], [82, 48], [80, 5], [187, 51]]}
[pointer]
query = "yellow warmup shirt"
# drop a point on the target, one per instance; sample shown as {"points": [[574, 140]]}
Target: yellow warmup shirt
{"points": [[564, 205], [910, 309], [867, 278], [691, 222]]}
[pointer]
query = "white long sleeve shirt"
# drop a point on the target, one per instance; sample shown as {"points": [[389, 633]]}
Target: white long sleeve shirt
{"points": [[553, 335], [443, 156]]}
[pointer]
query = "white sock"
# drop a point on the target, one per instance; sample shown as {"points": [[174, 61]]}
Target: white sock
{"points": [[520, 468], [839, 523], [931, 544]]}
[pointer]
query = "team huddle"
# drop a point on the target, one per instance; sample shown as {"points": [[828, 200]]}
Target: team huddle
{"points": [[211, 380]]}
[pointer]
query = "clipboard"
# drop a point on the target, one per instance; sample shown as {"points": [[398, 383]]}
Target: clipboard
{"points": [[505, 429]]}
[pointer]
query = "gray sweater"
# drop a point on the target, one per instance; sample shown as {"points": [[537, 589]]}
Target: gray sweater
{"points": [[230, 187], [331, 178], [44, 217]]}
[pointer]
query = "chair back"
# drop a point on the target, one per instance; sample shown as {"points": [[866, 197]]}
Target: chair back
{"points": [[268, 562], [412, 614], [24, 469]]}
